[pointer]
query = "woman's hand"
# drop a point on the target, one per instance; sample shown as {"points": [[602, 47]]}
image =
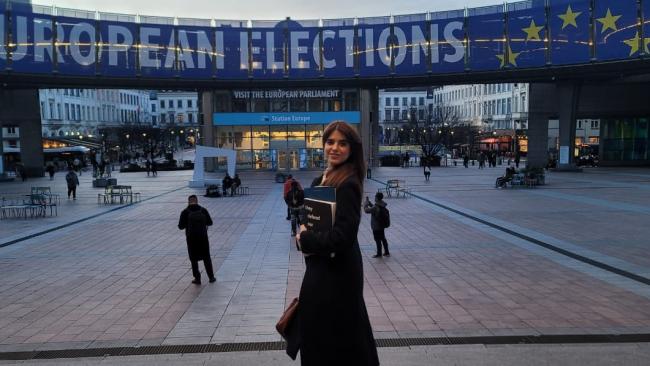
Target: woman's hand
{"points": [[300, 230]]}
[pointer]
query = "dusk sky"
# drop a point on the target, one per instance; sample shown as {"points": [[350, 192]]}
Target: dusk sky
{"points": [[265, 9]]}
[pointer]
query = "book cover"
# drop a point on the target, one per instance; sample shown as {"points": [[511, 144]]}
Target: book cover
{"points": [[320, 209]]}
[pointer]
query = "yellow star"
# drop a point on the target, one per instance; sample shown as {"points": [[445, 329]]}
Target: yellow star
{"points": [[609, 21], [633, 43], [512, 58], [532, 32], [569, 18]]}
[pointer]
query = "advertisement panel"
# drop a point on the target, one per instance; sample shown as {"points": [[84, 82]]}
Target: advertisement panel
{"points": [[376, 49], [338, 52], [569, 27], [526, 33], [486, 39], [616, 33], [285, 118], [646, 26], [267, 52], [304, 52], [413, 37], [3, 43], [32, 35], [117, 52], [77, 40], [157, 53], [196, 52], [447, 48]]}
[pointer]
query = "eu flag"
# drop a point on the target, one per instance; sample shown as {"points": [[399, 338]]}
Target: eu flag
{"points": [[646, 26], [569, 31], [616, 33], [486, 38], [527, 34]]}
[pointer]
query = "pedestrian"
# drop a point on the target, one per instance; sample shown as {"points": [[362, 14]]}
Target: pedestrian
{"points": [[76, 163], [50, 170], [379, 221], [226, 183], [295, 200], [517, 159], [427, 172], [465, 161], [72, 182], [20, 169], [147, 166], [236, 182], [195, 221], [102, 167], [333, 323], [286, 188], [154, 168]]}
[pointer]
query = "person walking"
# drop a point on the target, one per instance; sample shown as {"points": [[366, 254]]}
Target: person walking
{"points": [[295, 199], [379, 221], [72, 182], [195, 221], [286, 189], [465, 161], [76, 164], [427, 172], [226, 183], [147, 165], [236, 182], [333, 323], [20, 170], [517, 159], [50, 170], [154, 168]]}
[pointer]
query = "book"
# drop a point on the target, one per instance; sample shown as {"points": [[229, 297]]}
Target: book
{"points": [[320, 208]]}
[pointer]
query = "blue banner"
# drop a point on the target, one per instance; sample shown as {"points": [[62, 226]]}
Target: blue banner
{"points": [[447, 47], [117, 53], [375, 51], [569, 28], [617, 36], [290, 118], [526, 33], [78, 46], [304, 53], [338, 52], [3, 52], [268, 52], [33, 36], [486, 39], [646, 26], [157, 51], [196, 50], [414, 38], [235, 61]]}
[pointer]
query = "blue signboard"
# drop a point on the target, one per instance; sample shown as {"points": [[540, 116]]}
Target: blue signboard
{"points": [[117, 53], [304, 53], [33, 36], [414, 38], [569, 27], [3, 52], [291, 118], [157, 53], [617, 35], [235, 54], [486, 40], [267, 52], [646, 26], [376, 51], [78, 46], [196, 50], [447, 47], [338, 52], [526, 36]]}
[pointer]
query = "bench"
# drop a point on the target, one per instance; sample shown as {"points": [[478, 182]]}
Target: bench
{"points": [[241, 190], [121, 193]]}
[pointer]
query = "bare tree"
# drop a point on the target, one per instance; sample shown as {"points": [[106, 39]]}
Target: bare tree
{"points": [[432, 131]]}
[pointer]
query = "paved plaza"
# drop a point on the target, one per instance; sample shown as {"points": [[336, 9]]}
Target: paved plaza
{"points": [[467, 260]]}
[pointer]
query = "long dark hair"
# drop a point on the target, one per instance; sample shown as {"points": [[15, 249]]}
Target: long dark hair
{"points": [[355, 165]]}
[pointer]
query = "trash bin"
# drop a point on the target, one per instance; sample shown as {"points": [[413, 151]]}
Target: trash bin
{"points": [[368, 173]]}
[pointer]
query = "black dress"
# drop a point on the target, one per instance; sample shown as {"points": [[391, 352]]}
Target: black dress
{"points": [[333, 321]]}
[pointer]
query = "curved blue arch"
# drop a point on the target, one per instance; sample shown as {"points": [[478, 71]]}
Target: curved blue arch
{"points": [[37, 40]]}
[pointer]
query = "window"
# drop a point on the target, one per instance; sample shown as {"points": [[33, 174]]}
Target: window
{"points": [[42, 110], [421, 101], [396, 102], [396, 114], [594, 124], [404, 114], [579, 124], [58, 111], [190, 118], [67, 111], [11, 130], [412, 100], [153, 120], [78, 112], [387, 102], [153, 108], [13, 143], [405, 101], [189, 103], [162, 104], [421, 114], [387, 114], [179, 103]]}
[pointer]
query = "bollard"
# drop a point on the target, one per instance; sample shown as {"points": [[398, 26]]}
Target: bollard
{"points": [[368, 173]]}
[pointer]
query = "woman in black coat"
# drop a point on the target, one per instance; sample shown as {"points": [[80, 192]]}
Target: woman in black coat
{"points": [[334, 328]]}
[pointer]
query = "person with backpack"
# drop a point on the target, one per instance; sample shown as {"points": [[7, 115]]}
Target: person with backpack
{"points": [[195, 221], [72, 181], [295, 200], [427, 172], [379, 221]]}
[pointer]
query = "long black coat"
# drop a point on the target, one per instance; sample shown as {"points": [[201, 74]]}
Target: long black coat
{"points": [[333, 320], [198, 247]]}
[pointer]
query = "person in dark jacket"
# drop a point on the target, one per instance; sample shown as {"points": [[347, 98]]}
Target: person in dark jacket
{"points": [[295, 200], [376, 224], [333, 323], [236, 182], [226, 183], [72, 181], [195, 221]]}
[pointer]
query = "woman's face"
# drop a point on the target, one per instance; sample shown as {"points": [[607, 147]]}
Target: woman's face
{"points": [[337, 149]]}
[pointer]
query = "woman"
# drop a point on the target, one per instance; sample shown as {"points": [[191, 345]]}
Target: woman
{"points": [[332, 317]]}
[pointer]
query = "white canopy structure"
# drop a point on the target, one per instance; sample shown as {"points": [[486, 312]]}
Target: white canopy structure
{"points": [[202, 152]]}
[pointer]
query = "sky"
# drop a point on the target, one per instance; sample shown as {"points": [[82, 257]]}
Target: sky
{"points": [[267, 9]]}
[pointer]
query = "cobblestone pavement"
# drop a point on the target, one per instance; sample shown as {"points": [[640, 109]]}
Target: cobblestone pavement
{"points": [[465, 261]]}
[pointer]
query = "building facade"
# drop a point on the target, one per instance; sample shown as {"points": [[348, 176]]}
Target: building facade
{"points": [[82, 112], [398, 107], [174, 108]]}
